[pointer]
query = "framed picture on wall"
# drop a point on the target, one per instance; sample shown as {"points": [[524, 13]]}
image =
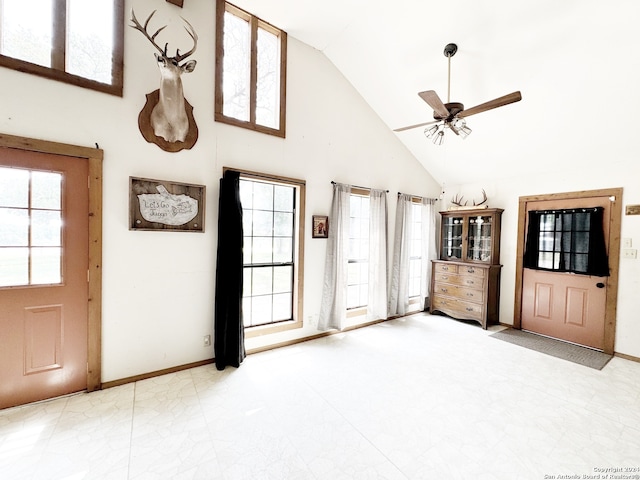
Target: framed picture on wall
{"points": [[320, 226], [163, 205]]}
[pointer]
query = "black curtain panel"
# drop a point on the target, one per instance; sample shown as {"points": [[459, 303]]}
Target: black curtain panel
{"points": [[568, 240], [228, 326]]}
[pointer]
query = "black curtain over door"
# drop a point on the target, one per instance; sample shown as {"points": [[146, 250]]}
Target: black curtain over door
{"points": [[228, 326], [567, 240]]}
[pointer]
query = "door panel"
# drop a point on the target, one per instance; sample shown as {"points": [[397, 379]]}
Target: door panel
{"points": [[44, 302], [566, 306]]}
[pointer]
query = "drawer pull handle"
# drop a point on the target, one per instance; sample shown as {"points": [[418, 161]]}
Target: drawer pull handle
{"points": [[444, 277], [443, 290], [469, 309], [470, 270], [469, 294], [470, 282], [445, 268]]}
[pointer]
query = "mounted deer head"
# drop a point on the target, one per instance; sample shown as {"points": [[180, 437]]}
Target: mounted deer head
{"points": [[170, 118]]}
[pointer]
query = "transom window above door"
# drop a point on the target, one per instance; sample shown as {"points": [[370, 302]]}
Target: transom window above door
{"points": [[31, 233], [73, 41]]}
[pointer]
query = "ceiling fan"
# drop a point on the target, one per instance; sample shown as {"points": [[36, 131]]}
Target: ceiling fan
{"points": [[452, 114]]}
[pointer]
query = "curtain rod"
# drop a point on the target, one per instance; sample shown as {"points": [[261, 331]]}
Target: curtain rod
{"points": [[358, 186], [418, 196]]}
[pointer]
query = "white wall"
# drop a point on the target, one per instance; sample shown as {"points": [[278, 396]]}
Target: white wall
{"points": [[159, 286]]}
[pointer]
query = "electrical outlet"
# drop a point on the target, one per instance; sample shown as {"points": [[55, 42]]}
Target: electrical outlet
{"points": [[629, 253], [626, 243], [207, 341]]}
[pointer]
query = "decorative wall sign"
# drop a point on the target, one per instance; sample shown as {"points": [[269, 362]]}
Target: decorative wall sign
{"points": [[320, 226], [162, 205]]}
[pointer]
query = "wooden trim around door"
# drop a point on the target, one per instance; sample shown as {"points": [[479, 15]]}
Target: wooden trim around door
{"points": [[615, 223], [94, 322]]}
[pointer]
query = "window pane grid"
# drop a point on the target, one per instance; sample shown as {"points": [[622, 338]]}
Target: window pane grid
{"points": [[564, 240], [358, 261], [252, 79], [31, 238], [269, 228]]}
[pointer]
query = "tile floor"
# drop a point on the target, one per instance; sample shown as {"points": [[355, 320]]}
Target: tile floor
{"points": [[415, 398]]}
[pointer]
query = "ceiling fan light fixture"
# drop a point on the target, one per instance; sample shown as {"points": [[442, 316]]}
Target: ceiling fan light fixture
{"points": [[459, 125], [431, 131], [438, 139]]}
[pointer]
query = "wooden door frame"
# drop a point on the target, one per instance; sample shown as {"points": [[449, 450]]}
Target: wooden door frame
{"points": [[94, 321], [615, 223]]}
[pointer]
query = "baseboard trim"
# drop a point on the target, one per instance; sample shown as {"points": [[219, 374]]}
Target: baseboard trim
{"points": [[315, 337], [179, 368], [627, 357], [145, 376]]}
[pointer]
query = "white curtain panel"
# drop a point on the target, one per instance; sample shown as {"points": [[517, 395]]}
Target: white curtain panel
{"points": [[430, 245], [378, 271], [333, 309], [399, 278]]}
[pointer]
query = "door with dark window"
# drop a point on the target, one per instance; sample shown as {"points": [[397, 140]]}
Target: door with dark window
{"points": [[44, 206], [566, 271]]}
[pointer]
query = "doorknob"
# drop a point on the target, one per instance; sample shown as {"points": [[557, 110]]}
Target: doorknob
{"points": [[600, 285]]}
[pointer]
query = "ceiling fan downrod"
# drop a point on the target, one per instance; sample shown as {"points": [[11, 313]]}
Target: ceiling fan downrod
{"points": [[449, 51]]}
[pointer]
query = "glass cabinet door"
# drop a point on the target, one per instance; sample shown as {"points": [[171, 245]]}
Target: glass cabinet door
{"points": [[479, 234], [452, 237]]}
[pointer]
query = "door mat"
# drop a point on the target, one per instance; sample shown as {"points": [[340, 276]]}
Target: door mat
{"points": [[556, 348]]}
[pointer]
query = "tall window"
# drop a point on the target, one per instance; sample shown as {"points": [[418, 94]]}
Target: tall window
{"points": [[74, 41], [358, 261], [271, 210], [415, 255], [250, 71]]}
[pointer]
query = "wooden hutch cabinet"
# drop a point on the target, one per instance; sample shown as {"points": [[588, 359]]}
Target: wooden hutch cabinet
{"points": [[465, 281]]}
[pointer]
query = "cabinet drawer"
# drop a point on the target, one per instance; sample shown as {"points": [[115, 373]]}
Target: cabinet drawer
{"points": [[460, 292], [471, 270], [463, 280], [457, 308], [445, 268]]}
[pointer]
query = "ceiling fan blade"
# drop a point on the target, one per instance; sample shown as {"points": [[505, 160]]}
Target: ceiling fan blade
{"points": [[432, 98], [415, 126], [491, 104]]}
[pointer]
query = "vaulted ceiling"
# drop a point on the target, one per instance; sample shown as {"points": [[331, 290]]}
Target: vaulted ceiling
{"points": [[575, 62]]}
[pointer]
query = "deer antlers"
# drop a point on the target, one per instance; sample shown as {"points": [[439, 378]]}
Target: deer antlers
{"points": [[484, 199], [458, 201], [152, 38]]}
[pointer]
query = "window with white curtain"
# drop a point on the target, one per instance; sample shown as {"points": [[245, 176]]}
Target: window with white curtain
{"points": [[414, 248]]}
